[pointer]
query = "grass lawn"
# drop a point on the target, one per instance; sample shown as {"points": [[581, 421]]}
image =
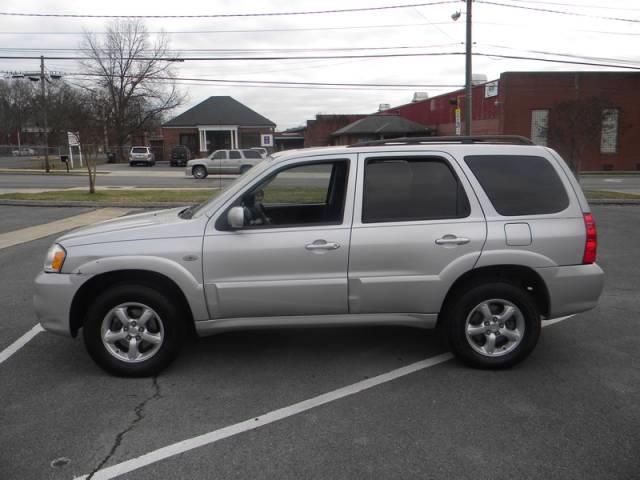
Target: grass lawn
{"points": [[600, 194], [119, 196], [186, 196]]}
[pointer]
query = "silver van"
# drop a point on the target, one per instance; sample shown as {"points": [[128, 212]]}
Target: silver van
{"points": [[482, 237]]}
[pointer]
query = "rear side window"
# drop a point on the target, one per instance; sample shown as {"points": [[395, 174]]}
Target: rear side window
{"points": [[405, 189], [234, 154], [519, 184], [251, 154]]}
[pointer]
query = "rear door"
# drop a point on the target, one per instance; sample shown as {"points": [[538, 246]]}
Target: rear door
{"points": [[417, 227]]}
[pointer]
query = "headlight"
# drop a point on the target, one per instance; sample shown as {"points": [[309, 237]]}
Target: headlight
{"points": [[55, 259]]}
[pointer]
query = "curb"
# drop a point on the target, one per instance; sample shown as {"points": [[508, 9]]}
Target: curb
{"points": [[63, 203]]}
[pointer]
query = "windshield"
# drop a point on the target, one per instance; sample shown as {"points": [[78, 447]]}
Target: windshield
{"points": [[219, 195]]}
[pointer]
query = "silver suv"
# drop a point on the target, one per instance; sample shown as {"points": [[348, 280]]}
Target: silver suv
{"points": [[224, 161], [141, 155], [480, 236]]}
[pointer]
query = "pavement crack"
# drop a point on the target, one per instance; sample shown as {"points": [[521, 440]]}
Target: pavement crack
{"points": [[139, 412]]}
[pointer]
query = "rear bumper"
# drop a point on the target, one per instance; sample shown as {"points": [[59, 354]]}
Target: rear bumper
{"points": [[572, 289], [52, 298]]}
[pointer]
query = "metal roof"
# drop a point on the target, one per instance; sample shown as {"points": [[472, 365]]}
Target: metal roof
{"points": [[382, 125]]}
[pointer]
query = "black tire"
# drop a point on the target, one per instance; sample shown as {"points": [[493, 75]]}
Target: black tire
{"points": [[131, 164], [469, 348], [199, 172], [173, 330]]}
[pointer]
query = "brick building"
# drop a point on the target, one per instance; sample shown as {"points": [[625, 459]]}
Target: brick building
{"points": [[216, 123], [318, 131], [534, 104]]}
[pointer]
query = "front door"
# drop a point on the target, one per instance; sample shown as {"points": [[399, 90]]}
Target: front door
{"points": [[291, 256], [415, 231]]}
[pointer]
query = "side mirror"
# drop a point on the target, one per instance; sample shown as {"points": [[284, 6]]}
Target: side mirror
{"points": [[235, 217]]}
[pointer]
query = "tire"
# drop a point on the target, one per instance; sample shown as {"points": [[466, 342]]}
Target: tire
{"points": [[199, 172], [244, 168], [131, 164], [156, 341], [492, 325]]}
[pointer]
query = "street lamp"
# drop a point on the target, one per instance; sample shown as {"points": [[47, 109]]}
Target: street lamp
{"points": [[42, 78]]}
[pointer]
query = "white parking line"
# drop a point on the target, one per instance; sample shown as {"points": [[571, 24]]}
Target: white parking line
{"points": [[28, 234], [273, 416], [21, 342]]}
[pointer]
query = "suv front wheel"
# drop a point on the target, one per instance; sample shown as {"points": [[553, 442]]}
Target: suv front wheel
{"points": [[492, 325], [199, 172], [133, 330]]}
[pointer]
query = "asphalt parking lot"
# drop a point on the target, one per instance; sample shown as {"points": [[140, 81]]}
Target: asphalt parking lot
{"points": [[570, 411]]}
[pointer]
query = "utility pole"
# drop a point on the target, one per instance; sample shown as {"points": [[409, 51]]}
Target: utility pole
{"points": [[468, 76], [44, 113]]}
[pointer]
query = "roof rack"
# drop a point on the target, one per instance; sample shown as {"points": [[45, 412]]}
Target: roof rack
{"points": [[504, 139]]}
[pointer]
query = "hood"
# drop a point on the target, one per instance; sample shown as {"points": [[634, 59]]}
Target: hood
{"points": [[142, 226]]}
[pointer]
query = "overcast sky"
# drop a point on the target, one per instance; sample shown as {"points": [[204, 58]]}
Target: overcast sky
{"points": [[496, 29]]}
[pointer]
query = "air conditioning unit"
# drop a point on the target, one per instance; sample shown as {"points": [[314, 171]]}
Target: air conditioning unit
{"points": [[384, 106], [419, 96]]}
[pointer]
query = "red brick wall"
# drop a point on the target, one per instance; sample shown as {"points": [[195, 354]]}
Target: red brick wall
{"points": [[438, 112], [319, 130], [171, 138], [521, 92]]}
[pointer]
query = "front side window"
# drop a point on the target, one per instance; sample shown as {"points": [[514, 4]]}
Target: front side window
{"points": [[234, 155], [219, 155], [519, 184], [302, 195], [409, 188]]}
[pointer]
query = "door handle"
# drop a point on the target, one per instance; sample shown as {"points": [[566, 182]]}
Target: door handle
{"points": [[452, 240], [322, 245]]}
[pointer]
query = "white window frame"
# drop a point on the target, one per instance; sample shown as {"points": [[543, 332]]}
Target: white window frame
{"points": [[540, 126]]}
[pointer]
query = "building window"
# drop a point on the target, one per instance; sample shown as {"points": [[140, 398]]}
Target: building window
{"points": [[609, 135], [539, 126]]}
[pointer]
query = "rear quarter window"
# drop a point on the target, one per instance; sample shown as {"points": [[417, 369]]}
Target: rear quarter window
{"points": [[519, 184]]}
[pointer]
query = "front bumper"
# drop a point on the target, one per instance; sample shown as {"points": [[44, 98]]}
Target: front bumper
{"points": [[52, 298], [572, 289]]}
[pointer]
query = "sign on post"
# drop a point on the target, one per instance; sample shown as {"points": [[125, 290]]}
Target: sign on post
{"points": [[458, 122], [74, 141]]}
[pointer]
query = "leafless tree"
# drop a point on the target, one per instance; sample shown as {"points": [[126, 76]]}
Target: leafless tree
{"points": [[136, 75], [574, 126], [17, 104]]}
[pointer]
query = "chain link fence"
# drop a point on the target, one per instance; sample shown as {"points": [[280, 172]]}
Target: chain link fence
{"points": [[33, 156]]}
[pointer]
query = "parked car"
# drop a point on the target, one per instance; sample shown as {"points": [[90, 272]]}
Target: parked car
{"points": [[223, 161], [141, 156], [180, 155], [23, 152], [481, 236]]}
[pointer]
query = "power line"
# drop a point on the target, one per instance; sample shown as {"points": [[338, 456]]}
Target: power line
{"points": [[242, 50], [583, 5], [318, 57], [273, 82], [229, 15], [567, 55], [257, 30], [561, 12]]}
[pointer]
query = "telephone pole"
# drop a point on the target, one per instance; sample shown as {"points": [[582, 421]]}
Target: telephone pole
{"points": [[44, 113], [468, 77]]}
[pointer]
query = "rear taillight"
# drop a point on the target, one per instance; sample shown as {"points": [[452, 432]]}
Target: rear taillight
{"points": [[591, 242]]}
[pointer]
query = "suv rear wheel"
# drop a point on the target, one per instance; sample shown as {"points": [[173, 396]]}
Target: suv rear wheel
{"points": [[133, 330], [199, 172], [492, 325]]}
